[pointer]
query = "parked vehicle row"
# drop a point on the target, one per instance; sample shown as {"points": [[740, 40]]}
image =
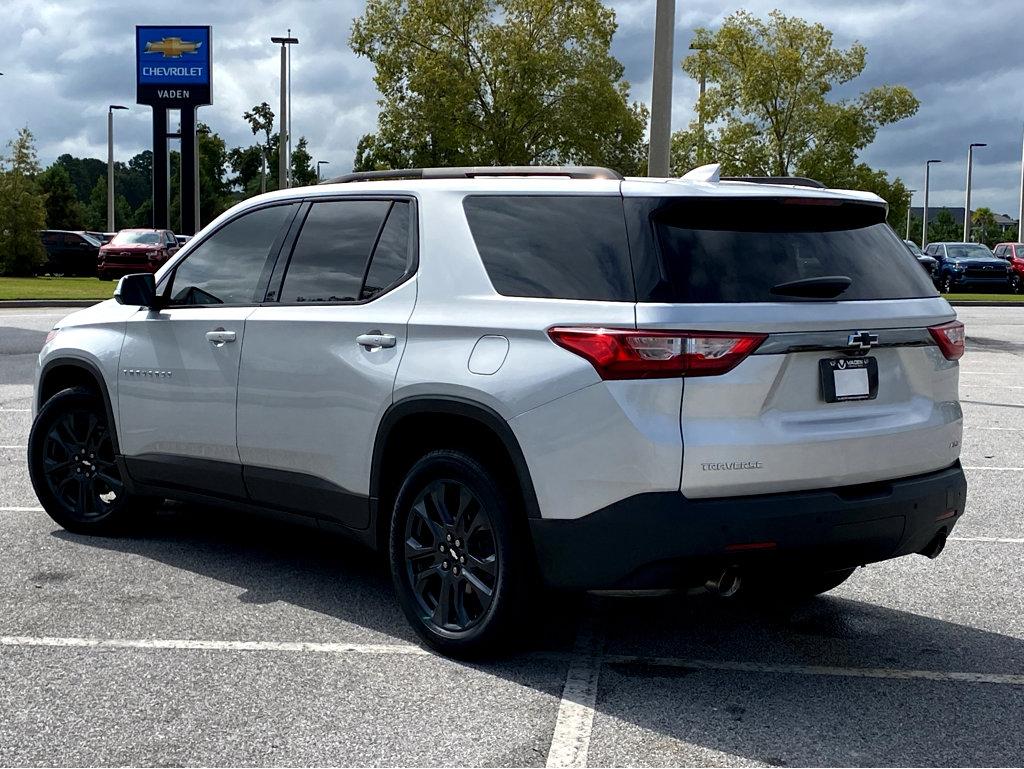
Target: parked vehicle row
{"points": [[107, 254], [972, 265]]}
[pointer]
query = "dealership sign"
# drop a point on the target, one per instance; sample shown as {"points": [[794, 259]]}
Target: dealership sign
{"points": [[172, 66]]}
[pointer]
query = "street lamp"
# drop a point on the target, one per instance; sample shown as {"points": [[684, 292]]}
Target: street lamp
{"points": [[282, 137], [660, 148], [924, 216], [910, 202], [318, 164], [967, 199], [110, 165], [701, 49]]}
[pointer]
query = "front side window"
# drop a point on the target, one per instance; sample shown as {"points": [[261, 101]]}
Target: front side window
{"points": [[348, 250], [226, 267]]}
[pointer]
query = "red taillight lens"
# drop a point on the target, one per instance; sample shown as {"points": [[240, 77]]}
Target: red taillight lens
{"points": [[950, 339], [628, 354]]}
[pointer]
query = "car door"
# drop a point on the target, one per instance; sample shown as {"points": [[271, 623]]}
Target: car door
{"points": [[178, 370], [319, 361]]}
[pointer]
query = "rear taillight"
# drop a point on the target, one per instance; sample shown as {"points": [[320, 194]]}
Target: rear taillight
{"points": [[950, 339], [628, 354]]}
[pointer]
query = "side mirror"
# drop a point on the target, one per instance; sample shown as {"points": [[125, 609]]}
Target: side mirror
{"points": [[138, 289]]}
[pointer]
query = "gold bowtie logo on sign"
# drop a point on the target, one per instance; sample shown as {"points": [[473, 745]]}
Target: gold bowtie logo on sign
{"points": [[172, 47]]}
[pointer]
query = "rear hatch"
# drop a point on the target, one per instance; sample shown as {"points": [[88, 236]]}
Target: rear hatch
{"points": [[848, 383]]}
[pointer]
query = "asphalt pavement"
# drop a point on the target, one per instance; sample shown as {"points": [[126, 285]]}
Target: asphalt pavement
{"points": [[213, 638]]}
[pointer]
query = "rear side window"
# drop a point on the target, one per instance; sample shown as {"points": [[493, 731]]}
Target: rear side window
{"points": [[738, 249], [350, 250], [553, 247]]}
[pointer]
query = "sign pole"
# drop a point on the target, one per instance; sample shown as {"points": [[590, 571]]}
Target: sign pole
{"points": [[189, 171], [161, 169]]}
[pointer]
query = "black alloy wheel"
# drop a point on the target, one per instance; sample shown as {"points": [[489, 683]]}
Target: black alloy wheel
{"points": [[451, 558], [459, 554], [72, 464]]}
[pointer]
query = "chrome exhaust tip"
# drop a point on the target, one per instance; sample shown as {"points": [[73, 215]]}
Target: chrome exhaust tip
{"points": [[725, 584]]}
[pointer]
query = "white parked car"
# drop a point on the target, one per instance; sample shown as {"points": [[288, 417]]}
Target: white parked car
{"points": [[497, 375]]}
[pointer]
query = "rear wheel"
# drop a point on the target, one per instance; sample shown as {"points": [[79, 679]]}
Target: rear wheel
{"points": [[459, 561], [73, 469]]}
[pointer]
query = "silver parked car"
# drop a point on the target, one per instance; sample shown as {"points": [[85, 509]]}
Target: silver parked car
{"points": [[509, 376]]}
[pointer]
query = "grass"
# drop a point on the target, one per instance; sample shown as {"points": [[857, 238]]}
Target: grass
{"points": [[959, 297], [55, 288]]}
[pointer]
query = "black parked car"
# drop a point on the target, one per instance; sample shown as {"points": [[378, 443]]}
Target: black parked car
{"points": [[929, 263], [69, 253]]}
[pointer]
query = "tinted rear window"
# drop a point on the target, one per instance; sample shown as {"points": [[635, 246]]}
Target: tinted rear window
{"points": [[555, 247], [736, 250]]}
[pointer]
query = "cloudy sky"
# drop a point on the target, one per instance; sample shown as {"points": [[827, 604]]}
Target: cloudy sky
{"points": [[64, 62]]}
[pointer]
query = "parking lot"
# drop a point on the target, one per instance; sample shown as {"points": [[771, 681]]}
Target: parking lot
{"points": [[211, 638]]}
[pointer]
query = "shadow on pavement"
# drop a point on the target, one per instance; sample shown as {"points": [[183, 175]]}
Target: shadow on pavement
{"points": [[764, 717]]}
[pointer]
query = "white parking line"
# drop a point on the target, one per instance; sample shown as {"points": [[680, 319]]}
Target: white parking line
{"points": [[992, 467], [21, 509], [820, 670], [14, 447], [14, 411], [570, 741], [1002, 429], [998, 540], [248, 646]]}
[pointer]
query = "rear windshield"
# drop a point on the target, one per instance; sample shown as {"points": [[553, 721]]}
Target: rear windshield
{"points": [[736, 250], [553, 246]]}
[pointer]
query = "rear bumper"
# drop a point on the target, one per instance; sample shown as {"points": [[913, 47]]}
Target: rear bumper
{"points": [[664, 539]]}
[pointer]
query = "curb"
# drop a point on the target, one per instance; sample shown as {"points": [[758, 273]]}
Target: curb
{"points": [[16, 303]]}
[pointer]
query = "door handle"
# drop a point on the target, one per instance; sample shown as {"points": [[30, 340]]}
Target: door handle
{"points": [[219, 337], [375, 340]]}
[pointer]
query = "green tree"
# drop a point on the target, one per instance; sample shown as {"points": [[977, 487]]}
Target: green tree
{"points": [[96, 209], [247, 164], [22, 208], [303, 173], [488, 82], [766, 104], [944, 227], [63, 211], [214, 187], [984, 228], [261, 120]]}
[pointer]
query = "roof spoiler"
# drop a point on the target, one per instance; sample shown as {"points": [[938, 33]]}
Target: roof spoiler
{"points": [[796, 181]]}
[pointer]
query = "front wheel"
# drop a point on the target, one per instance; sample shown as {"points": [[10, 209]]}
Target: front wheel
{"points": [[73, 468], [459, 558]]}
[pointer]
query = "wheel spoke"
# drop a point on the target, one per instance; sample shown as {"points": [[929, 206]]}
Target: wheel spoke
{"points": [[488, 565], [51, 466], [482, 590], [114, 484], [414, 550], [83, 496], [444, 602], [420, 510], [90, 431], [461, 615], [436, 497]]}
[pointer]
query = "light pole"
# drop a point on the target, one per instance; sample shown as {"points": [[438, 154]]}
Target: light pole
{"points": [[967, 197], [661, 90], [924, 215], [110, 165], [700, 103], [910, 203], [282, 137], [318, 164], [1020, 211]]}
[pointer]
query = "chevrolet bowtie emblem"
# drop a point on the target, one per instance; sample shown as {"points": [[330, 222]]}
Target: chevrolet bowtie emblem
{"points": [[862, 339], [172, 47]]}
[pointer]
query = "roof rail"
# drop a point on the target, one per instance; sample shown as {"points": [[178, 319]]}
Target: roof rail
{"points": [[796, 181], [471, 172]]}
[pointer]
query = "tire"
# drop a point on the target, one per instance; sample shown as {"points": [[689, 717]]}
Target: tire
{"points": [[71, 464], [104, 275], [452, 513], [791, 587]]}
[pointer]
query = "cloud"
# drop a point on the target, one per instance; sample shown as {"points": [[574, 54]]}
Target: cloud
{"points": [[66, 60]]}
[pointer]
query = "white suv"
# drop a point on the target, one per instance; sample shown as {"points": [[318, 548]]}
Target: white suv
{"points": [[504, 374]]}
